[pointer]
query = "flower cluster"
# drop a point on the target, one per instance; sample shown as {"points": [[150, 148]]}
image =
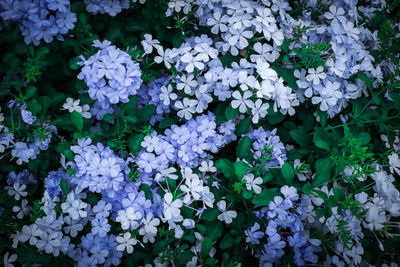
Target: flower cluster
{"points": [[39, 19], [111, 76]]}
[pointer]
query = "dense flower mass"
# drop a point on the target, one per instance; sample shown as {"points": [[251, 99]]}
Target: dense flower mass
{"points": [[200, 133], [39, 19]]}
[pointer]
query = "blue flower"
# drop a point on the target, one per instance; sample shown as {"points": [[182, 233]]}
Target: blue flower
{"points": [[253, 235]]}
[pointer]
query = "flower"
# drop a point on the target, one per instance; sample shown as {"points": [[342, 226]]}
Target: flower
{"points": [[227, 215], [254, 236], [8, 260], [18, 191], [166, 94], [253, 184], [129, 218], [27, 116], [72, 105], [315, 75], [148, 43], [259, 110], [171, 207], [243, 102], [126, 242], [394, 163], [23, 210]]}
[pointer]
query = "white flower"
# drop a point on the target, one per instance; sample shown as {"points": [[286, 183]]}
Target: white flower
{"points": [[375, 218], [329, 95], [50, 242], [193, 186], [171, 207], [186, 108], [74, 207], [148, 43], [265, 72], [226, 215], [239, 38], [207, 166], [72, 105], [253, 184], [166, 173], [259, 110], [166, 94], [129, 218], [186, 83], [86, 111], [394, 163], [315, 75], [18, 191], [217, 22], [7, 261], [125, 242], [242, 101], [29, 232], [335, 13], [23, 210], [192, 62], [149, 229], [164, 56]]}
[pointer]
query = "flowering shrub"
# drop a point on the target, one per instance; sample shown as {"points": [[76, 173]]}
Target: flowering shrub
{"points": [[200, 133]]}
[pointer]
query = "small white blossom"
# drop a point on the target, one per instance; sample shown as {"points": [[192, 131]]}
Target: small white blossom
{"points": [[18, 191], [227, 215], [243, 102], [253, 184], [125, 242]]}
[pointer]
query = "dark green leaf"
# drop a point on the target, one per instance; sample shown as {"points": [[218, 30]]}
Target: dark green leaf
{"points": [[243, 148], [265, 197], [301, 137], [226, 167], [77, 120], [288, 173], [64, 186], [323, 171], [241, 168], [226, 242], [206, 246]]}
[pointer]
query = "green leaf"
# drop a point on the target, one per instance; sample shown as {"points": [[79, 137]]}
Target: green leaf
{"points": [[265, 197], [301, 137], [230, 113], [215, 231], [363, 138], [145, 113], [206, 246], [226, 167], [131, 119], [130, 105], [64, 186], [338, 194], [241, 168], [323, 171], [210, 214], [134, 143], [73, 63], [288, 173], [226, 242], [288, 76], [322, 144], [243, 127], [243, 148], [108, 117], [168, 121], [31, 91], [77, 120]]}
